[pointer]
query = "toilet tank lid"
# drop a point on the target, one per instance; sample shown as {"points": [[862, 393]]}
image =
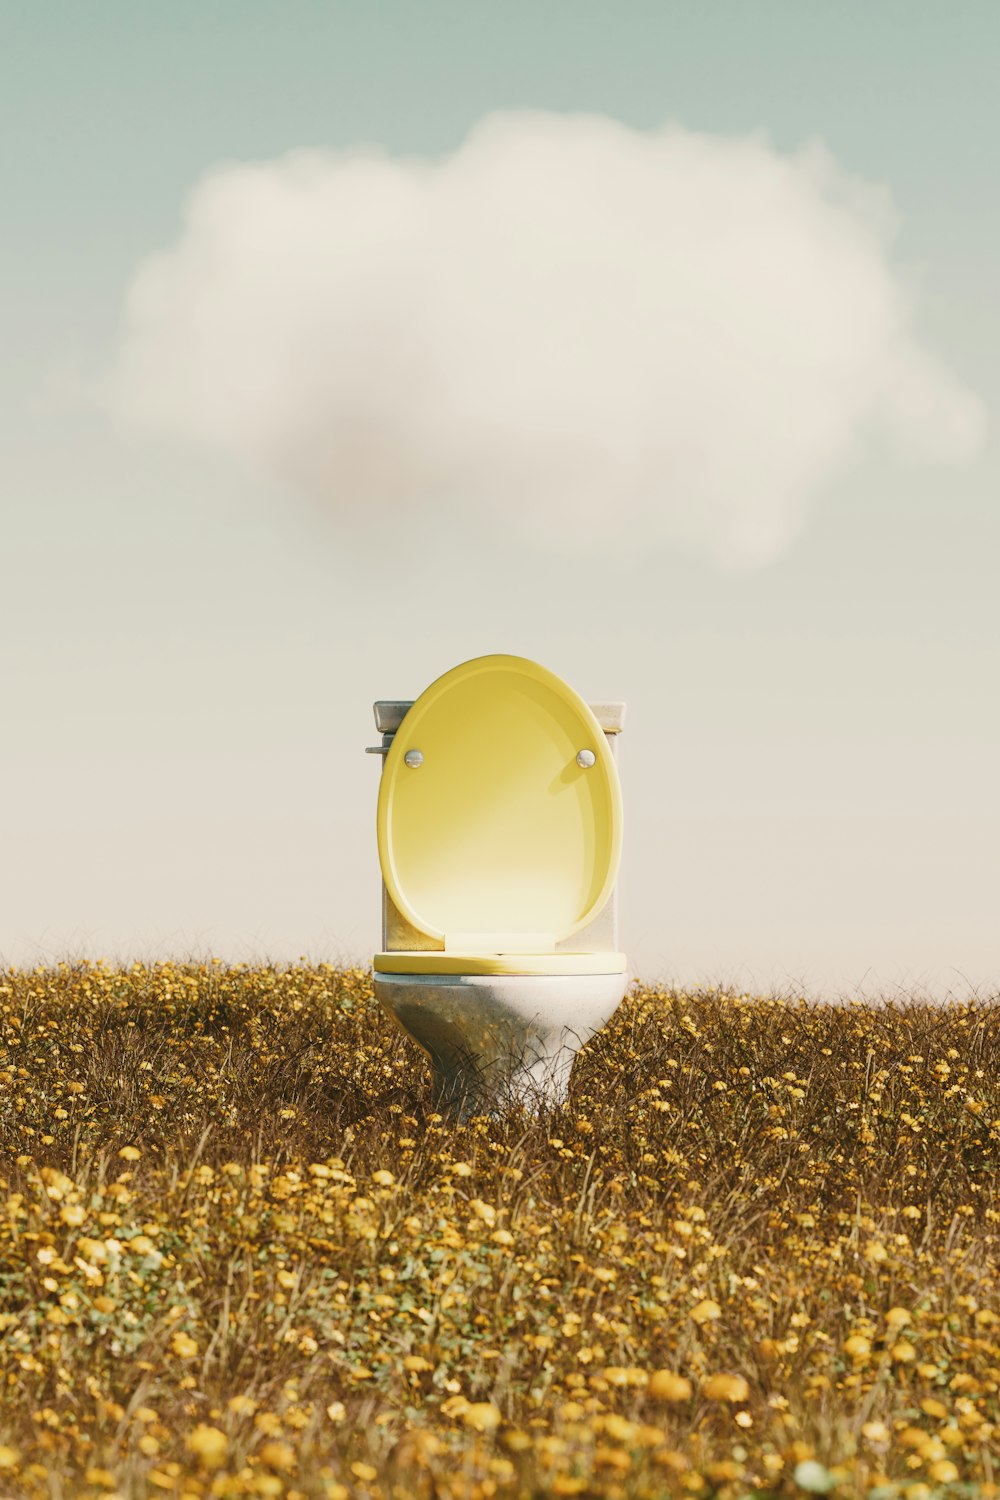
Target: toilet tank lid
{"points": [[389, 714]]}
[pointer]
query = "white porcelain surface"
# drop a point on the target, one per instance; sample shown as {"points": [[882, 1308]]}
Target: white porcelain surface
{"points": [[494, 1039]]}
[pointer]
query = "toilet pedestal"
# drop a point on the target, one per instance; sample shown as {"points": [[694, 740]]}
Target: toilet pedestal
{"points": [[496, 1040]]}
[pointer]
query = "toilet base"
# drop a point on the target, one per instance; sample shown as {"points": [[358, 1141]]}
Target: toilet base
{"points": [[497, 1040]]}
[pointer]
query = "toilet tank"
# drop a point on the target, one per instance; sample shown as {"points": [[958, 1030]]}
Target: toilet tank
{"points": [[600, 935]]}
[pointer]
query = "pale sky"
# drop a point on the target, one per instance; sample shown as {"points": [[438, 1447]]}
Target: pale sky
{"points": [[701, 302]]}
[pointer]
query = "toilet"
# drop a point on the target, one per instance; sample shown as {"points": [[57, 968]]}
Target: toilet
{"points": [[499, 838]]}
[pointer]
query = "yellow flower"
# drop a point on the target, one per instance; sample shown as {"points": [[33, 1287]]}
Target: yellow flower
{"points": [[933, 1408], [183, 1346], [706, 1310], [130, 1153], [571, 1411], [208, 1444], [943, 1472], [57, 1184], [277, 1456], [102, 1478], [723, 1469], [482, 1416], [383, 1178], [619, 1429], [612, 1458], [725, 1388], [664, 1385]]}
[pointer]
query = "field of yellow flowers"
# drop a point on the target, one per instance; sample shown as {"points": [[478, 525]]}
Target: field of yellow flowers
{"points": [[756, 1253]]}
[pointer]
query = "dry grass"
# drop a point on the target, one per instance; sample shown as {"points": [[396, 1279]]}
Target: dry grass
{"points": [[240, 1253]]}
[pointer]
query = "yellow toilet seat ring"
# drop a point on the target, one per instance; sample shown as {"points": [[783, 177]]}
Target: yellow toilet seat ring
{"points": [[437, 962]]}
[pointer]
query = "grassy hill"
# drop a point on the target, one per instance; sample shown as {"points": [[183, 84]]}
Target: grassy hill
{"points": [[241, 1254]]}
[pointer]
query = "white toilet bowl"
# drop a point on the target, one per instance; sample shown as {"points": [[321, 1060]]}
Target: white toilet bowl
{"points": [[499, 834], [496, 1039]]}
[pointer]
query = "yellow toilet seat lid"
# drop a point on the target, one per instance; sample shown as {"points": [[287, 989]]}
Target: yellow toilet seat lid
{"points": [[499, 839]]}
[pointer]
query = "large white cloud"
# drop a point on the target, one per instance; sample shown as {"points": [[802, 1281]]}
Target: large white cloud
{"points": [[592, 334]]}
